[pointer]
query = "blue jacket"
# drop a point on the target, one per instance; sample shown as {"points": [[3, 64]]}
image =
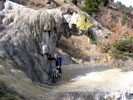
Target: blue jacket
{"points": [[58, 61]]}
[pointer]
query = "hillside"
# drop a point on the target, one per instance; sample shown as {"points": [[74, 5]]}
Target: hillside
{"points": [[114, 17], [118, 19], [42, 4]]}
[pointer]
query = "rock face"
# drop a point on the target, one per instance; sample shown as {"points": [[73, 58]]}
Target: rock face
{"points": [[24, 31], [27, 36], [51, 3], [1, 4]]}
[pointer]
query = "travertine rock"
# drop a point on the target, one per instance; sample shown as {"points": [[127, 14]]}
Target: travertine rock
{"points": [[25, 31], [26, 35]]}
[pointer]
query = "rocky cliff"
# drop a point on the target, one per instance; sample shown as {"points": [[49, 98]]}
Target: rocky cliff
{"points": [[24, 31]]}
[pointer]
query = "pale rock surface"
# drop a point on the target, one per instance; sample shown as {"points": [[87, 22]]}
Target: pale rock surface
{"points": [[25, 31]]}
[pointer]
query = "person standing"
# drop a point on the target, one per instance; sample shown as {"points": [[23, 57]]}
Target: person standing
{"points": [[58, 62]]}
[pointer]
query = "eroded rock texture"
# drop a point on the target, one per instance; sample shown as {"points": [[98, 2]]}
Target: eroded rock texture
{"points": [[24, 31], [27, 36]]}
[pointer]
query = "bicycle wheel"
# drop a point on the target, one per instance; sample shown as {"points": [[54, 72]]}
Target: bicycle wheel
{"points": [[54, 77]]}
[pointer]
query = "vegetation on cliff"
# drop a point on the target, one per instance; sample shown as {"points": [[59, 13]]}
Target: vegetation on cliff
{"points": [[118, 19], [123, 48], [7, 96], [74, 1], [93, 6]]}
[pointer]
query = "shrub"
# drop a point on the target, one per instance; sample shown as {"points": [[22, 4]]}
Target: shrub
{"points": [[125, 19], [74, 1], [64, 1], [90, 6], [123, 48], [131, 7], [93, 6], [6, 96]]}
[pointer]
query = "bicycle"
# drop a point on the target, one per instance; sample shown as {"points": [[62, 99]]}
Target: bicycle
{"points": [[55, 74]]}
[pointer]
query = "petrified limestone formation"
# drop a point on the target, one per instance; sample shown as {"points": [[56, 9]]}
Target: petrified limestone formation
{"points": [[24, 31], [26, 35]]}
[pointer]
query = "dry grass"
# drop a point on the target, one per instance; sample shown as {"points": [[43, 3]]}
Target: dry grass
{"points": [[119, 29], [60, 4], [76, 47], [1, 72]]}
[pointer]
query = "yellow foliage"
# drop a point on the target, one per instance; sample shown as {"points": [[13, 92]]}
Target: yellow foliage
{"points": [[89, 40], [83, 22]]}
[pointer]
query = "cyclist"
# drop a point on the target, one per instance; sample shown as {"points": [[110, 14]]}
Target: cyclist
{"points": [[58, 62]]}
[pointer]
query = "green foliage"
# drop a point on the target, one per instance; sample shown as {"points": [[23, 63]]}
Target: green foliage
{"points": [[64, 1], [123, 48], [121, 4], [93, 6], [74, 1], [6, 96], [131, 7], [125, 18]]}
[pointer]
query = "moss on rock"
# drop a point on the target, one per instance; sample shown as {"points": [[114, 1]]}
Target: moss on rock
{"points": [[83, 22], [7, 96]]}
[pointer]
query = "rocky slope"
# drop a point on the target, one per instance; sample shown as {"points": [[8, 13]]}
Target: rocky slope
{"points": [[114, 17], [24, 65], [24, 31]]}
